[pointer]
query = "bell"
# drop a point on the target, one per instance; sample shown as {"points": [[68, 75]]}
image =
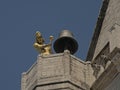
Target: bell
{"points": [[65, 41]]}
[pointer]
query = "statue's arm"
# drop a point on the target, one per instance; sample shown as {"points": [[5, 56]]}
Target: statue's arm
{"points": [[36, 45]]}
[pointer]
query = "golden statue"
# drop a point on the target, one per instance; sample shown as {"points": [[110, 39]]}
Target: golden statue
{"points": [[43, 49]]}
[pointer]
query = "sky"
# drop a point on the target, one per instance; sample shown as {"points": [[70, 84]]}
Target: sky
{"points": [[20, 19]]}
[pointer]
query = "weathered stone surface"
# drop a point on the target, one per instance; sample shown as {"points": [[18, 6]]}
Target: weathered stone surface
{"points": [[115, 84], [110, 30], [58, 71], [66, 72], [109, 78]]}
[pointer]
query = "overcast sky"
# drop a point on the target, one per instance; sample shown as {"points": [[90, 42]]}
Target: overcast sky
{"points": [[20, 19]]}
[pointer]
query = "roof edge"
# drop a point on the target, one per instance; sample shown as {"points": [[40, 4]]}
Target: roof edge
{"points": [[97, 30]]}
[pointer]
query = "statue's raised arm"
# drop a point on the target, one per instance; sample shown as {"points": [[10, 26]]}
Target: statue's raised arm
{"points": [[42, 48]]}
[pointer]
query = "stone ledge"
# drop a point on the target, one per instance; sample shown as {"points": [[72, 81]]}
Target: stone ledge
{"points": [[61, 84]]}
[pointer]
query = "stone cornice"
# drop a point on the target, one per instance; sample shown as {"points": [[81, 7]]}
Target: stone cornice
{"points": [[110, 72]]}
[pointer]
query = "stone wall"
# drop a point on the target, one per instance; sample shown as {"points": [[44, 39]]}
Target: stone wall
{"points": [[109, 79], [58, 72], [110, 24]]}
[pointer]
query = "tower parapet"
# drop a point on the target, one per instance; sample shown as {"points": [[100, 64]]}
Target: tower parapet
{"points": [[57, 71]]}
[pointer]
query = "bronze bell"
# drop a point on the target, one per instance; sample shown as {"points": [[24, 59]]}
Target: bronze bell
{"points": [[65, 41]]}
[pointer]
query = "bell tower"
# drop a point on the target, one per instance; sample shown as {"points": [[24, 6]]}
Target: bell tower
{"points": [[63, 71], [59, 71]]}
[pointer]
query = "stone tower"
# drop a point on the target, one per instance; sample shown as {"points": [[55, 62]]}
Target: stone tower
{"points": [[100, 71], [59, 71]]}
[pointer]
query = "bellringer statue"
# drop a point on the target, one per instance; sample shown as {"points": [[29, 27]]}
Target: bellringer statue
{"points": [[42, 48]]}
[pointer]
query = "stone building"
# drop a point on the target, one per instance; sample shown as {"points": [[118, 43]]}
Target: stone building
{"points": [[100, 71]]}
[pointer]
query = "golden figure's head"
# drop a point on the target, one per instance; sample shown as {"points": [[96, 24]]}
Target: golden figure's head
{"points": [[39, 38]]}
